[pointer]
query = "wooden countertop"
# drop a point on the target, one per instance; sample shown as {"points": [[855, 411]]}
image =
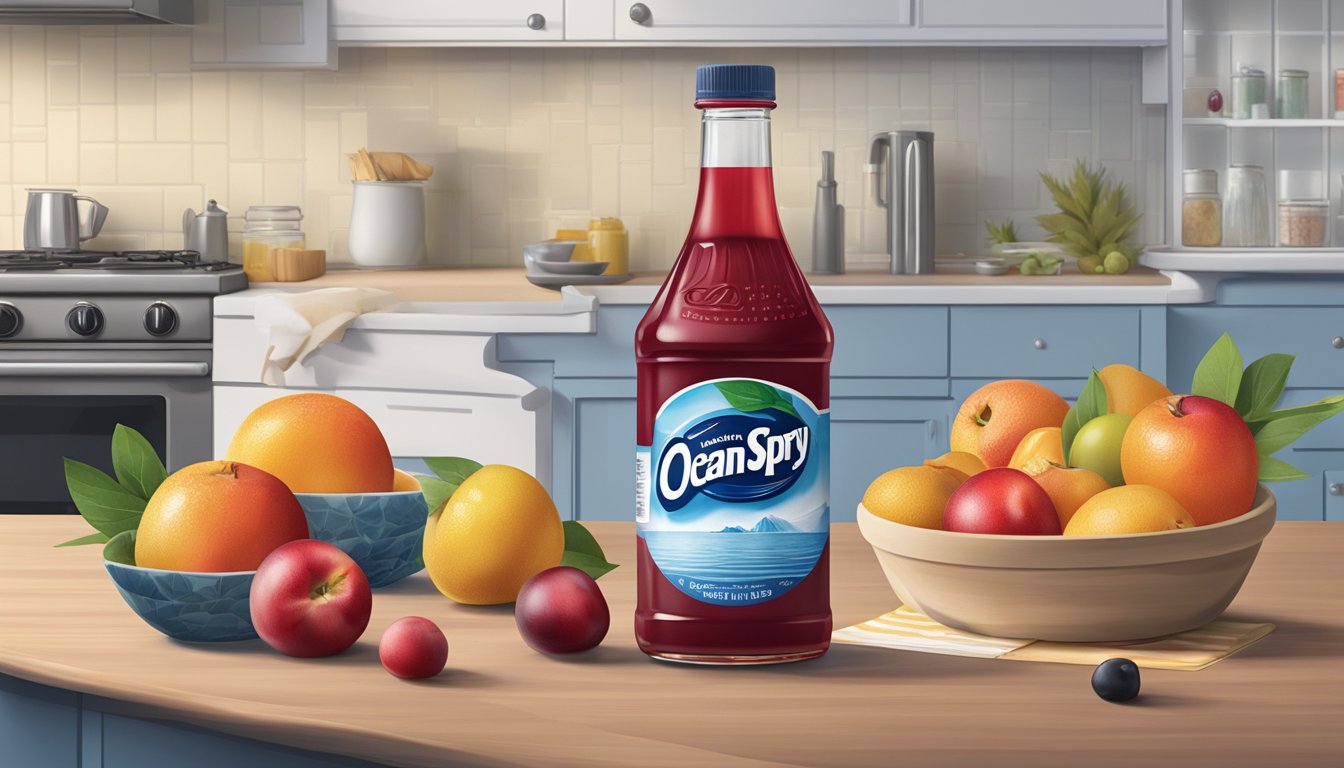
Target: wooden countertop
{"points": [[1277, 702]]}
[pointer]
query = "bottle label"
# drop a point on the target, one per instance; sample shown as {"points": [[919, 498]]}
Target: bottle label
{"points": [[732, 496]]}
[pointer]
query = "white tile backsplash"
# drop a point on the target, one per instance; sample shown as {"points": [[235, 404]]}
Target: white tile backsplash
{"points": [[527, 140]]}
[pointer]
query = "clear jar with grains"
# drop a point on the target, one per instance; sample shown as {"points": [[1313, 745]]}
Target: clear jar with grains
{"points": [[1303, 211], [267, 227], [1201, 209]]}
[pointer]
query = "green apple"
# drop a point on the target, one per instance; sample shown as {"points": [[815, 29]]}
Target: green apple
{"points": [[1097, 446]]}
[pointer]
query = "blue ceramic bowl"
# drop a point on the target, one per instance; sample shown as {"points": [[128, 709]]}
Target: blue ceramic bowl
{"points": [[383, 532], [195, 607]]}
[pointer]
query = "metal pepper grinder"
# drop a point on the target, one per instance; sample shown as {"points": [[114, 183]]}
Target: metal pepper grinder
{"points": [[828, 223]]}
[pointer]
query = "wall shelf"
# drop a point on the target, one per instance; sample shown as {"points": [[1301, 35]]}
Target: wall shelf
{"points": [[1228, 122], [1261, 259]]}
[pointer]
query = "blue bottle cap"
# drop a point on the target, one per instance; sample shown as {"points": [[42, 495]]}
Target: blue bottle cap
{"points": [[753, 82]]}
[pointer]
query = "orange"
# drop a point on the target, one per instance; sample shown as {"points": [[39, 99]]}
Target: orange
{"points": [[1043, 443], [1129, 509], [995, 418], [404, 481], [911, 495], [1197, 449], [1129, 390], [1067, 487], [967, 464], [217, 516], [499, 529], [315, 443]]}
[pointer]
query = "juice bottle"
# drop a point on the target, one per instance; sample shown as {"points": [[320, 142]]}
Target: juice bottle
{"points": [[732, 454]]}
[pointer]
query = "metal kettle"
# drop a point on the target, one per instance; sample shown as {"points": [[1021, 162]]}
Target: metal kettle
{"points": [[902, 166], [207, 232], [58, 220]]}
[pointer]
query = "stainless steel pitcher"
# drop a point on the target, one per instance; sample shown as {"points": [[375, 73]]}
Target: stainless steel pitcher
{"points": [[207, 232], [58, 220], [902, 167]]}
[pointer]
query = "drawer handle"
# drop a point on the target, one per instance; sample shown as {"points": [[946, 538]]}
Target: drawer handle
{"points": [[1039, 343], [1336, 489], [536, 21], [1337, 342], [640, 13]]}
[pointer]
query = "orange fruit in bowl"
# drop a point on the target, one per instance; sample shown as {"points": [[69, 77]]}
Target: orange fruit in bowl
{"points": [[993, 420], [1129, 390], [217, 516], [1197, 449], [912, 495], [1129, 509], [967, 464], [315, 443], [1068, 488], [404, 481], [1042, 443]]}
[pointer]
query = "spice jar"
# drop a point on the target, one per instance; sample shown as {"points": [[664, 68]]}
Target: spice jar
{"points": [[1291, 94], [610, 242], [1248, 89], [1201, 209], [1246, 207], [266, 228], [1303, 212], [1339, 94]]}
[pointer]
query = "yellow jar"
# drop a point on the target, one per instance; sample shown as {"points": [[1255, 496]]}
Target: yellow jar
{"points": [[610, 242], [582, 252], [266, 228]]}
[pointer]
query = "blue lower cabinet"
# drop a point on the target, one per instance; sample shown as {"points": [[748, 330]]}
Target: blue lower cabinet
{"points": [[39, 726], [1068, 389], [1048, 342], [872, 435], [593, 448], [1334, 495], [1309, 333], [134, 743]]}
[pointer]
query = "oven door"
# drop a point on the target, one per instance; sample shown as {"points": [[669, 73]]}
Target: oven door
{"points": [[65, 403]]}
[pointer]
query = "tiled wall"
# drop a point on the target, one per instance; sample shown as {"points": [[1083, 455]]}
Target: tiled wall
{"points": [[527, 140]]}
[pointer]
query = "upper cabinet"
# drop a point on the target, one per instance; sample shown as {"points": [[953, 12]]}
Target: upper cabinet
{"points": [[723, 21], [262, 33], [1045, 22], [429, 22]]}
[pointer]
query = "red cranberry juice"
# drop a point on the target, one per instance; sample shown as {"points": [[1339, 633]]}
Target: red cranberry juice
{"points": [[733, 444]]}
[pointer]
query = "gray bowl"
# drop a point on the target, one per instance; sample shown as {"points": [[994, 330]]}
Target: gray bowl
{"points": [[565, 267], [551, 250]]}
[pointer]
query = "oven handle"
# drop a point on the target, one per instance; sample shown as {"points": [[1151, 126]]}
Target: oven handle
{"points": [[120, 370]]}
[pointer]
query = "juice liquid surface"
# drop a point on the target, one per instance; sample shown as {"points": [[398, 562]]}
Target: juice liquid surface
{"points": [[736, 307]]}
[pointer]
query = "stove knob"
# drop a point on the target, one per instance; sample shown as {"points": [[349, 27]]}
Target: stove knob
{"points": [[85, 320], [160, 319], [11, 320]]}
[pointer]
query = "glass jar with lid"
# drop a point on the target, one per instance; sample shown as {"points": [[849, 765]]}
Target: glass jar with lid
{"points": [[1303, 211], [1291, 94], [1248, 89], [1201, 209], [1246, 206], [267, 227]]}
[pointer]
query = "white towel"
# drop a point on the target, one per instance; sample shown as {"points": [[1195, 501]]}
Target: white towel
{"points": [[300, 323]]}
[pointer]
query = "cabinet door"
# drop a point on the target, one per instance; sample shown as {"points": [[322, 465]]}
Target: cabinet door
{"points": [[373, 22], [1046, 21], [1030, 342], [760, 20], [38, 725], [594, 449], [872, 435], [269, 33]]}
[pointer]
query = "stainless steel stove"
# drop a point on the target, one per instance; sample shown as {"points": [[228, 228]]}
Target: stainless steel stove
{"points": [[89, 340]]}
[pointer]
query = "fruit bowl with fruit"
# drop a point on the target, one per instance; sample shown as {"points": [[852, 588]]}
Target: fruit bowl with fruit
{"points": [[1131, 514], [187, 606]]}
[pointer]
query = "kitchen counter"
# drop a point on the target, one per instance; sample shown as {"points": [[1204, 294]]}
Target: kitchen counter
{"points": [[62, 624], [1140, 286]]}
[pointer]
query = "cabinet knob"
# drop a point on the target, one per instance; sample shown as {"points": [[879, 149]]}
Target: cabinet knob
{"points": [[1337, 342], [640, 13], [536, 21], [1039, 343], [1336, 489]]}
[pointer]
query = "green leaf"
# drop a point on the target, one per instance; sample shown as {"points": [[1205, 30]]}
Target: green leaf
{"points": [[1279, 431], [1327, 405], [121, 548], [1218, 375], [453, 469], [1261, 385], [1274, 470], [108, 507], [436, 491], [93, 538], [748, 396], [583, 552], [1092, 402], [139, 469], [1069, 430]]}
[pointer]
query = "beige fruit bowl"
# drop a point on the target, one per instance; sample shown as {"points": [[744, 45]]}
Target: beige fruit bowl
{"points": [[1071, 589]]}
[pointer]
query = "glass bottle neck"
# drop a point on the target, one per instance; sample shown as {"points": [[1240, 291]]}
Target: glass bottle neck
{"points": [[737, 187], [735, 137]]}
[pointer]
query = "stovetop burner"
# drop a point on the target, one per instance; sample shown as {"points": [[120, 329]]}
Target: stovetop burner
{"points": [[140, 261]]}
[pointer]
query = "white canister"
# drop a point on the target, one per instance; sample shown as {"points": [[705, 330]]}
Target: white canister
{"points": [[387, 224]]}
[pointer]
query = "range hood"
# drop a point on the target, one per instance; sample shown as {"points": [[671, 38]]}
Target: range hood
{"points": [[95, 12]]}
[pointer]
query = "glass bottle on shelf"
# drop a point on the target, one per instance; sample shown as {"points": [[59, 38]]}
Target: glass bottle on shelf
{"points": [[1248, 90], [1291, 94], [1303, 210], [1246, 207], [1201, 209]]}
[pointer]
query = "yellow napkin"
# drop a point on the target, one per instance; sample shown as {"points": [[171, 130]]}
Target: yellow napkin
{"points": [[299, 323], [909, 630]]}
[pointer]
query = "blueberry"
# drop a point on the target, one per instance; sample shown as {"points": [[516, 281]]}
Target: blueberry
{"points": [[1116, 680]]}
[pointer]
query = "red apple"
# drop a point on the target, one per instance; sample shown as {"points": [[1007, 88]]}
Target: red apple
{"points": [[562, 610], [310, 599], [413, 648], [1003, 501]]}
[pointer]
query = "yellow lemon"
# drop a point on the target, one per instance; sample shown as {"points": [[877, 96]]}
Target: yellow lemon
{"points": [[498, 529], [1129, 509], [911, 495]]}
